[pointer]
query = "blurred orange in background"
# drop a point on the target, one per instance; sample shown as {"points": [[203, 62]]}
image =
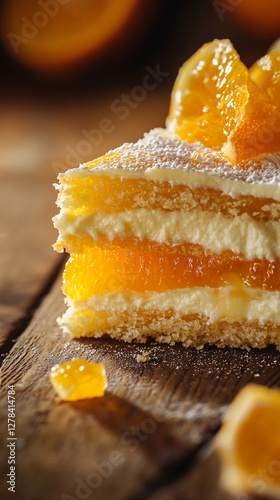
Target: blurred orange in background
{"points": [[58, 36], [261, 17]]}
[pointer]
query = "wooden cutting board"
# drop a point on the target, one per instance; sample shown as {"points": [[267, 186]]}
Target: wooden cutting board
{"points": [[150, 436]]}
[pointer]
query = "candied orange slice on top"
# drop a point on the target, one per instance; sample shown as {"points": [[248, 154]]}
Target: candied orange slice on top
{"points": [[215, 101], [209, 94]]}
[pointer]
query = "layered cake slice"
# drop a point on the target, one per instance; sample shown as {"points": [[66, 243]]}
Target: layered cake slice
{"points": [[177, 237]]}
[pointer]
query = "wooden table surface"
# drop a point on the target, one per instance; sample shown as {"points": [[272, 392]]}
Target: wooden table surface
{"points": [[150, 436]]}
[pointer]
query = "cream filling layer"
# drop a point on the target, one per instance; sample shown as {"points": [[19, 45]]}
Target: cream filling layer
{"points": [[215, 233], [216, 304]]}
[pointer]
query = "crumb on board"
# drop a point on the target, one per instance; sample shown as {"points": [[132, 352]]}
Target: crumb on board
{"points": [[144, 357]]}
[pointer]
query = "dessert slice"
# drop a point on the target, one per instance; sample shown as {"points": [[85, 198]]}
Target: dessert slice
{"points": [[167, 237]]}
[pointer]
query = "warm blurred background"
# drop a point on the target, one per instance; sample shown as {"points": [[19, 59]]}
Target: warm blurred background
{"points": [[68, 65], [79, 77]]}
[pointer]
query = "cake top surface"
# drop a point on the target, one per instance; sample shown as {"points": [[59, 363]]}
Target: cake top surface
{"points": [[223, 125], [161, 149]]}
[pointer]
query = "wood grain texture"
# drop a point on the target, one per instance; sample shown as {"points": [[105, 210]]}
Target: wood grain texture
{"points": [[201, 481], [141, 435]]}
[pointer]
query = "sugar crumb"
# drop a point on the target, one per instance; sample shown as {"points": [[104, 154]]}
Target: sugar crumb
{"points": [[161, 149], [144, 357]]}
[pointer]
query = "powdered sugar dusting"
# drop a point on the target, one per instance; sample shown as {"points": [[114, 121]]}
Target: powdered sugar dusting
{"points": [[162, 150]]}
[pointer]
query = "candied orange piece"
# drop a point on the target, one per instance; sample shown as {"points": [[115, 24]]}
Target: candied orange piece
{"points": [[209, 95], [78, 379], [249, 442], [101, 271], [215, 101]]}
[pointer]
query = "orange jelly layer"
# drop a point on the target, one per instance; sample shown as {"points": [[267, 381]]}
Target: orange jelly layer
{"points": [[99, 271]]}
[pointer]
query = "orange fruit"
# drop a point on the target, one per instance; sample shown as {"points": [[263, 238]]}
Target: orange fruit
{"points": [[78, 379], [56, 36], [249, 443], [216, 102]]}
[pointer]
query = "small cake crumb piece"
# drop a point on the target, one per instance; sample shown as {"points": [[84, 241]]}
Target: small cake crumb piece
{"points": [[144, 357]]}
